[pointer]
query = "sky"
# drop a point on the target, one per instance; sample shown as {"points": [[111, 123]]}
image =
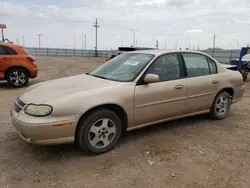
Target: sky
{"points": [[181, 23]]}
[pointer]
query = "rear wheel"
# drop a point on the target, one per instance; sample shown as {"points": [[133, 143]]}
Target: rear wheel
{"points": [[244, 78], [17, 77], [99, 132], [221, 106]]}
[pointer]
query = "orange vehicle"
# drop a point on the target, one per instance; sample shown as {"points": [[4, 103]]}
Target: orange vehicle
{"points": [[17, 66]]}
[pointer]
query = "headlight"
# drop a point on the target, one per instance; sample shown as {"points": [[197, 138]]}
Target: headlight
{"points": [[38, 110]]}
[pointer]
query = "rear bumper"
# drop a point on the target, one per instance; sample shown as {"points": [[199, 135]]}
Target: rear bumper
{"points": [[33, 73], [33, 76], [238, 93]]}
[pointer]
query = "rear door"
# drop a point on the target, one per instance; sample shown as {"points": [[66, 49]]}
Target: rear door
{"points": [[5, 59], [202, 83]]}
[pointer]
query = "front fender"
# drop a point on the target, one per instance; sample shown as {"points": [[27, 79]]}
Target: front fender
{"points": [[81, 102]]}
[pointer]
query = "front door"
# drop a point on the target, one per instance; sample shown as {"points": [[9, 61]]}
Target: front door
{"points": [[202, 84], [164, 99]]}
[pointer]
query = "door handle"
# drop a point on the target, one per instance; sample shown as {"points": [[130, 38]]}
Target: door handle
{"points": [[215, 81], [179, 87]]}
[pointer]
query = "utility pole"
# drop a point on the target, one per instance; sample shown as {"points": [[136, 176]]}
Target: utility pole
{"points": [[214, 37], [187, 43], [17, 41], [85, 41], [74, 42], [96, 28], [157, 44], [23, 41], [238, 43], [82, 40], [133, 36], [2, 27], [176, 44], [2, 35], [39, 40]]}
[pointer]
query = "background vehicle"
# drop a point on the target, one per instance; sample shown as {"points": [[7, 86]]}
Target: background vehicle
{"points": [[126, 49], [242, 64], [16, 65], [133, 90]]}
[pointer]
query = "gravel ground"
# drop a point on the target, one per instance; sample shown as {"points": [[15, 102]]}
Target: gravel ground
{"points": [[191, 153]]}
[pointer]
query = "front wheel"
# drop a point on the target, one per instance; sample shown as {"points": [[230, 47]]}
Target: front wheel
{"points": [[17, 77], [221, 106], [99, 132]]}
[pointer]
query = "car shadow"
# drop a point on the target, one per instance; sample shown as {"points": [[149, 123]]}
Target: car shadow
{"points": [[171, 126], [4, 85], [44, 153]]}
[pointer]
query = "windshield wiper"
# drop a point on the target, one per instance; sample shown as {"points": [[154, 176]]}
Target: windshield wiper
{"points": [[99, 76]]}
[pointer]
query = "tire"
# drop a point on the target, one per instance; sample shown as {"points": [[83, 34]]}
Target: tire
{"points": [[17, 77], [99, 132], [244, 78], [221, 106]]}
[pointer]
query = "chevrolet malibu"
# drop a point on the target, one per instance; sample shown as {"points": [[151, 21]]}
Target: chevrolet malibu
{"points": [[134, 90]]}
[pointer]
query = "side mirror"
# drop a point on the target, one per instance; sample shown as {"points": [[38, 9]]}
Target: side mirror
{"points": [[151, 78]]}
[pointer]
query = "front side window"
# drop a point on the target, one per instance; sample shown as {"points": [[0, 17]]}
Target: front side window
{"points": [[125, 67], [196, 64], [167, 67]]}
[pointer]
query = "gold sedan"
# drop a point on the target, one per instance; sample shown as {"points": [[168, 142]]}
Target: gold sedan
{"points": [[131, 91]]}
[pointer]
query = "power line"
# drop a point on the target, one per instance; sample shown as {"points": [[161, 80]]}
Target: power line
{"points": [[96, 28]]}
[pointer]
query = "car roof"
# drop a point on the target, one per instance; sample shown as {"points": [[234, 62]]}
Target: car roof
{"points": [[124, 48], [161, 52], [10, 45]]}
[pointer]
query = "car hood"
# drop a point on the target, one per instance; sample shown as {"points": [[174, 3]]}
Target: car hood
{"points": [[52, 90]]}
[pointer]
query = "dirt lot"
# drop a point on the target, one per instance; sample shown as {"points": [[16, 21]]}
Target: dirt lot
{"points": [[191, 153]]}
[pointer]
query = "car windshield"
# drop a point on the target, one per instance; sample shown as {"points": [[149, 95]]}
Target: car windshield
{"points": [[125, 67]]}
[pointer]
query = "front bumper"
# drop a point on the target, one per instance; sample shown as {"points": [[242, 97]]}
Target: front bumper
{"points": [[44, 130]]}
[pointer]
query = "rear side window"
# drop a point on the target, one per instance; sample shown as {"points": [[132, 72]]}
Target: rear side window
{"points": [[10, 51], [4, 50], [196, 64], [212, 66]]}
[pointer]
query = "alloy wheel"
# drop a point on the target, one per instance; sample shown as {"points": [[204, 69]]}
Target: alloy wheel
{"points": [[102, 133], [222, 105], [18, 78]]}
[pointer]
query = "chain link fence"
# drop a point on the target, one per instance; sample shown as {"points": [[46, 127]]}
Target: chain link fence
{"points": [[223, 56]]}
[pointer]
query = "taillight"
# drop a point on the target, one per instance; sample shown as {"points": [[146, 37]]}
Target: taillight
{"points": [[107, 59], [31, 59]]}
